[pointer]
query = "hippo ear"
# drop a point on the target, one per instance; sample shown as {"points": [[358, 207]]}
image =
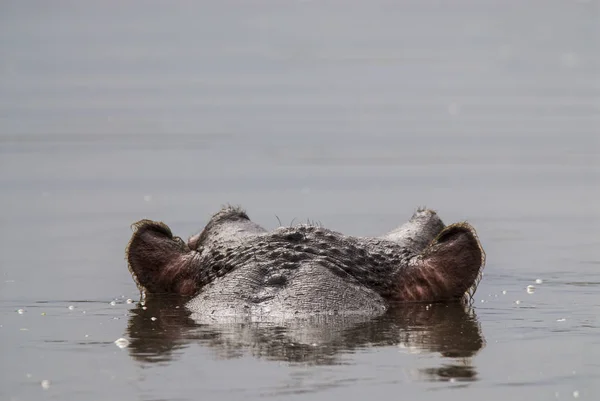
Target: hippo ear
{"points": [[159, 262], [449, 268]]}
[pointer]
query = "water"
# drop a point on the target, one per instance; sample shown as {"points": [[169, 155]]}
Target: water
{"points": [[348, 113]]}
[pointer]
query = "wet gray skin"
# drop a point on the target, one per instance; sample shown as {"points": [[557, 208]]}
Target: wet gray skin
{"points": [[234, 267]]}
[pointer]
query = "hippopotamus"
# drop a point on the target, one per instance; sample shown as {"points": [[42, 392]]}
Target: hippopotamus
{"points": [[234, 267]]}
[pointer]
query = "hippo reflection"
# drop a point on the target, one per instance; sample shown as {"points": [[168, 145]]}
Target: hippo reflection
{"points": [[234, 267], [162, 328]]}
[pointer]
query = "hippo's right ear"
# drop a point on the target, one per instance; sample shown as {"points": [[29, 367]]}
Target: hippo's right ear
{"points": [[159, 262], [448, 269]]}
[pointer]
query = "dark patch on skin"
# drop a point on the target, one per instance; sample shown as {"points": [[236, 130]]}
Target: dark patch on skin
{"points": [[276, 280], [294, 237]]}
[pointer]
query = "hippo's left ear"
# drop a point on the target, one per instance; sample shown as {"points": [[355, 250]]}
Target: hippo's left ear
{"points": [[159, 262]]}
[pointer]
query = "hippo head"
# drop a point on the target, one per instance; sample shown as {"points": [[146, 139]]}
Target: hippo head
{"points": [[235, 266]]}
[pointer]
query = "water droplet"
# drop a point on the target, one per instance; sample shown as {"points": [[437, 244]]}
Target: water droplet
{"points": [[539, 281], [112, 303], [71, 307], [45, 384], [530, 289], [518, 302], [153, 318], [504, 292], [561, 319], [43, 313], [129, 301], [122, 343], [144, 307], [20, 311], [575, 394]]}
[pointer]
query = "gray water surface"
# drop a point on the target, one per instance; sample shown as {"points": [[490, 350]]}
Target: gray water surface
{"points": [[348, 113]]}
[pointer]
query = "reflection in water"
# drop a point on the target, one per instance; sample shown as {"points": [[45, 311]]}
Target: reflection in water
{"points": [[165, 327], [464, 372]]}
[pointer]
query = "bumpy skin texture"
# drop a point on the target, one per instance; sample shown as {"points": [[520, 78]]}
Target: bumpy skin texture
{"points": [[235, 267]]}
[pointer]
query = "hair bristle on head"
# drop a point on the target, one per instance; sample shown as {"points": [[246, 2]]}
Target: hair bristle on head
{"points": [[229, 212]]}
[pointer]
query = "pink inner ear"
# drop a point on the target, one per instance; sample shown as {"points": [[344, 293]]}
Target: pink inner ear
{"points": [[446, 270], [187, 287]]}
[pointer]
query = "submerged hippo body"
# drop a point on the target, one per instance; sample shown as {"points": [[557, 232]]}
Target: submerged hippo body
{"points": [[235, 267]]}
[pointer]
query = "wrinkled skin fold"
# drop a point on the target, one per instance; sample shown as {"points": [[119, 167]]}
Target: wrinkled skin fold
{"points": [[235, 267]]}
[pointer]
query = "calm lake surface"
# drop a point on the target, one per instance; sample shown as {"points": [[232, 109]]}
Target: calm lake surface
{"points": [[349, 113]]}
